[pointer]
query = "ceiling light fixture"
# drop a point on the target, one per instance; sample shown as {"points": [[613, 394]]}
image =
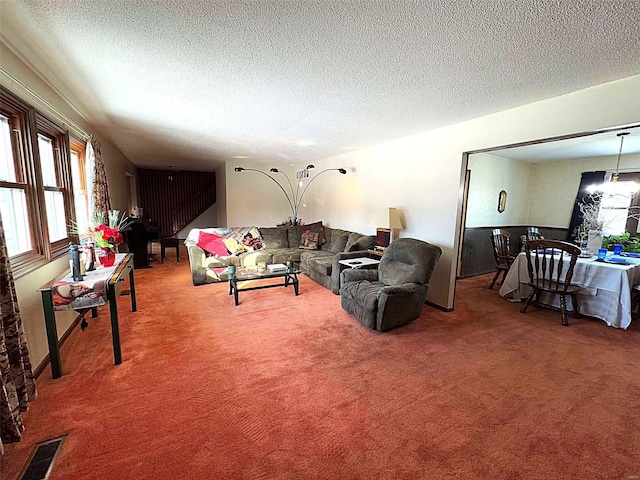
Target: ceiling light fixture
{"points": [[613, 186], [294, 198]]}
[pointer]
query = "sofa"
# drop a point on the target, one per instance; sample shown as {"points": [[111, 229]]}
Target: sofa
{"points": [[275, 245]]}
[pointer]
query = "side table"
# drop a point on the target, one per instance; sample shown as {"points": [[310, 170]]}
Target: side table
{"points": [[169, 242], [114, 287]]}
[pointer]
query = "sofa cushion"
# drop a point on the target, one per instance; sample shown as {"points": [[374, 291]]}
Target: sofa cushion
{"points": [[275, 237], [281, 255], [315, 228], [293, 235], [251, 259], [362, 242], [338, 241], [353, 239], [320, 262], [212, 243]]}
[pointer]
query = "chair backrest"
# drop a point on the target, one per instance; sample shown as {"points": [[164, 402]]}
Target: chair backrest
{"points": [[550, 263], [533, 233], [408, 260], [500, 239]]}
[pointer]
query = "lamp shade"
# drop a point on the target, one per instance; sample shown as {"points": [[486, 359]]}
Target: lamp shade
{"points": [[386, 218]]}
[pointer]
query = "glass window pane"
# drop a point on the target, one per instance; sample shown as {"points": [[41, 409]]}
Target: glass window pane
{"points": [[75, 171], [7, 167], [614, 209], [13, 207], [79, 195], [47, 162], [55, 215]]}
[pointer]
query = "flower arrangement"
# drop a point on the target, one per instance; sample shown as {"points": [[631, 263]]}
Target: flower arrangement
{"points": [[590, 210], [109, 234]]}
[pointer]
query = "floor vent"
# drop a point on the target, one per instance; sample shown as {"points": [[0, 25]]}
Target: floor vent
{"points": [[41, 462]]}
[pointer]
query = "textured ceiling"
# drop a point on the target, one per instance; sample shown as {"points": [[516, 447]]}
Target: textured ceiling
{"points": [[191, 83]]}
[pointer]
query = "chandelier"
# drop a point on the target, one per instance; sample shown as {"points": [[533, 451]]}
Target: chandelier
{"points": [[294, 197], [614, 187]]}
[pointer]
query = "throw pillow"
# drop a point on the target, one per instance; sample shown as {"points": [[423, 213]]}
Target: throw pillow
{"points": [[252, 240], [315, 228], [234, 247], [309, 240], [212, 244]]}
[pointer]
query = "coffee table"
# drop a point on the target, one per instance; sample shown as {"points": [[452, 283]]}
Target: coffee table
{"points": [[243, 275]]}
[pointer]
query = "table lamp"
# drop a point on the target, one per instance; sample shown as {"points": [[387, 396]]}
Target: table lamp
{"points": [[387, 220]]}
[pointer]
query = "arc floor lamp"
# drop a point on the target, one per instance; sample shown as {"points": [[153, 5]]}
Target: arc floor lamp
{"points": [[294, 197]]}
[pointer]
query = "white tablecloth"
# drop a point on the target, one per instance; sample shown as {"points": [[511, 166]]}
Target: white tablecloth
{"points": [[605, 288]]}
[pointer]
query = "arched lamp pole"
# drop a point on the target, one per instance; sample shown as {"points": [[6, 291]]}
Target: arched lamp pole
{"points": [[294, 200]]}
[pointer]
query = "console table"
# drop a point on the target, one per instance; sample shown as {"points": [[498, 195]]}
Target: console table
{"points": [[124, 267]]}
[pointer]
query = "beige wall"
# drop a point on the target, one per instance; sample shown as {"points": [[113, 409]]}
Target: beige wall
{"points": [[116, 164], [253, 199], [422, 175], [491, 174], [555, 185], [541, 194]]}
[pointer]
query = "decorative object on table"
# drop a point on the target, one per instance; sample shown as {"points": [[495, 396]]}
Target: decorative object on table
{"points": [[617, 249], [629, 244], [588, 235], [76, 273], [262, 266], [289, 263], [277, 267], [231, 270], [551, 273], [388, 222], [90, 256], [106, 256], [294, 197], [108, 235], [602, 253]]}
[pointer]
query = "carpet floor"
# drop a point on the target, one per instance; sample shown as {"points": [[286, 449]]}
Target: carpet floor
{"points": [[286, 387]]}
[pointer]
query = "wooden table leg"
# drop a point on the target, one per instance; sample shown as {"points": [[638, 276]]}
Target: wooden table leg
{"points": [[132, 287], [52, 334], [115, 329]]}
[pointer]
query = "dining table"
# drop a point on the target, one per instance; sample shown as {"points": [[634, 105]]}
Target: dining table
{"points": [[605, 286]]}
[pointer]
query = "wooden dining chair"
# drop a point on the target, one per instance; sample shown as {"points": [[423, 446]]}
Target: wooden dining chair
{"points": [[500, 240], [550, 264], [533, 233]]}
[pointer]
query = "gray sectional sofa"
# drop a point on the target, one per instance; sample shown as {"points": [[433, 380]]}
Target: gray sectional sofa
{"points": [[280, 244]]}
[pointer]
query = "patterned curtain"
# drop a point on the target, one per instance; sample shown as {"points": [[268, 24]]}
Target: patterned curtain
{"points": [[17, 385], [100, 198]]}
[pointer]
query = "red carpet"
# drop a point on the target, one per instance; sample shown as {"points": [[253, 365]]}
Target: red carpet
{"points": [[292, 387]]}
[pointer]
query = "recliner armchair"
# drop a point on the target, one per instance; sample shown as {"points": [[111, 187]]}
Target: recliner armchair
{"points": [[392, 295]]}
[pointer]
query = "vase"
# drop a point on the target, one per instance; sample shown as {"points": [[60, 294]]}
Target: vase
{"points": [[107, 256], [594, 241]]}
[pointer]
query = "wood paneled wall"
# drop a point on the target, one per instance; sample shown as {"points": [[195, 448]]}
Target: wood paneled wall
{"points": [[173, 198]]}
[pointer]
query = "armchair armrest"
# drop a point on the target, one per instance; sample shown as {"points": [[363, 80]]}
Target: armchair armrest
{"points": [[355, 275], [399, 304], [397, 289], [336, 268]]}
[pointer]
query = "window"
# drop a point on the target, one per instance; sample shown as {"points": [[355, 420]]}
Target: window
{"points": [[619, 209], [36, 195]]}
